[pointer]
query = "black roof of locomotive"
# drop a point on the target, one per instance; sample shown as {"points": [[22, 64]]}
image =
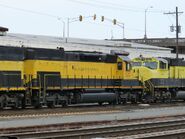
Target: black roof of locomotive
{"points": [[175, 61], [23, 53], [85, 56], [44, 54], [11, 53], [60, 54]]}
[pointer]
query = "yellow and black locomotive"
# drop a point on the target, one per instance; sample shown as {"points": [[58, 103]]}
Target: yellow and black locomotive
{"points": [[162, 78], [53, 77], [38, 76]]}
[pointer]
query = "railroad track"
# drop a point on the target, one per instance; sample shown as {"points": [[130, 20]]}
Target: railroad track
{"points": [[124, 130], [56, 114], [171, 134], [77, 110]]}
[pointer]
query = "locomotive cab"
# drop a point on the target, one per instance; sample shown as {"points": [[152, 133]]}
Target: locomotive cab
{"points": [[124, 69], [151, 63], [149, 68], [153, 73]]}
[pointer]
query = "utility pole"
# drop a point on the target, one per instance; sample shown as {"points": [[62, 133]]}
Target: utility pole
{"points": [[177, 29], [146, 10], [67, 27]]}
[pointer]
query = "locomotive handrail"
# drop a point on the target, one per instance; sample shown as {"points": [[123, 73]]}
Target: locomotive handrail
{"points": [[152, 87], [88, 81]]}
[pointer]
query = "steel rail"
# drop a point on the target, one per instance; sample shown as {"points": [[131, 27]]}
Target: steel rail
{"points": [[7, 114], [83, 133], [178, 133]]}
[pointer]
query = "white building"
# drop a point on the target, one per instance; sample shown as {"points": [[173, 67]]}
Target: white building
{"points": [[105, 46]]}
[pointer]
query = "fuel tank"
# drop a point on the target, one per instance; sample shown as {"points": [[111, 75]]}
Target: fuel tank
{"points": [[180, 95], [98, 97]]}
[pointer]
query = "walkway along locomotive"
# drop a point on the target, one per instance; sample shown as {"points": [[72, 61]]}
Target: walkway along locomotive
{"points": [[38, 76]]}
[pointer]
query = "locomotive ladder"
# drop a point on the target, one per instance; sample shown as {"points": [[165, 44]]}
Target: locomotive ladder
{"points": [[148, 84]]}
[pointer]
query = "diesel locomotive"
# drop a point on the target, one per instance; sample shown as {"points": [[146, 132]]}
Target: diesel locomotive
{"points": [[54, 77], [162, 78]]}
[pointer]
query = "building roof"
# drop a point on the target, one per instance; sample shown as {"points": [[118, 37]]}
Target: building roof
{"points": [[77, 44]]}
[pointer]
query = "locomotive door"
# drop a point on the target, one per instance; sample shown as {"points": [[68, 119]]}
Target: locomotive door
{"points": [[48, 81]]}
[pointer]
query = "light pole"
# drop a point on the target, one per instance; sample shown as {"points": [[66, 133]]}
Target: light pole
{"points": [[123, 27], [80, 18], [63, 26], [115, 22], [145, 36], [71, 20], [67, 27]]}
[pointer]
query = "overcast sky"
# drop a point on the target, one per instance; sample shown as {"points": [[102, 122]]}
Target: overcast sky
{"points": [[41, 17]]}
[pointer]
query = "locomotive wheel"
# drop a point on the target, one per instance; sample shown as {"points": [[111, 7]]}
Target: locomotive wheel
{"points": [[1, 105], [23, 106], [123, 101], [64, 104], [23, 102], [37, 105], [100, 103], [50, 105], [112, 103], [2, 102], [133, 100]]}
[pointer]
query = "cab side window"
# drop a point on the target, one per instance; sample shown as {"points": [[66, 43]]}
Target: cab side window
{"points": [[162, 65], [119, 66], [128, 66]]}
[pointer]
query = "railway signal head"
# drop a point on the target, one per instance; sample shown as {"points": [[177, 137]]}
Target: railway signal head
{"points": [[94, 17], [80, 17], [114, 21], [102, 18]]}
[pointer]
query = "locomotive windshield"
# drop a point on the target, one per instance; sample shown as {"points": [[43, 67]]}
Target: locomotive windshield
{"points": [[136, 64], [151, 65]]}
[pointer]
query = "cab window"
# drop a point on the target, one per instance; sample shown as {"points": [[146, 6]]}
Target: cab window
{"points": [[162, 65], [128, 66], [136, 64], [151, 65], [119, 65]]}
